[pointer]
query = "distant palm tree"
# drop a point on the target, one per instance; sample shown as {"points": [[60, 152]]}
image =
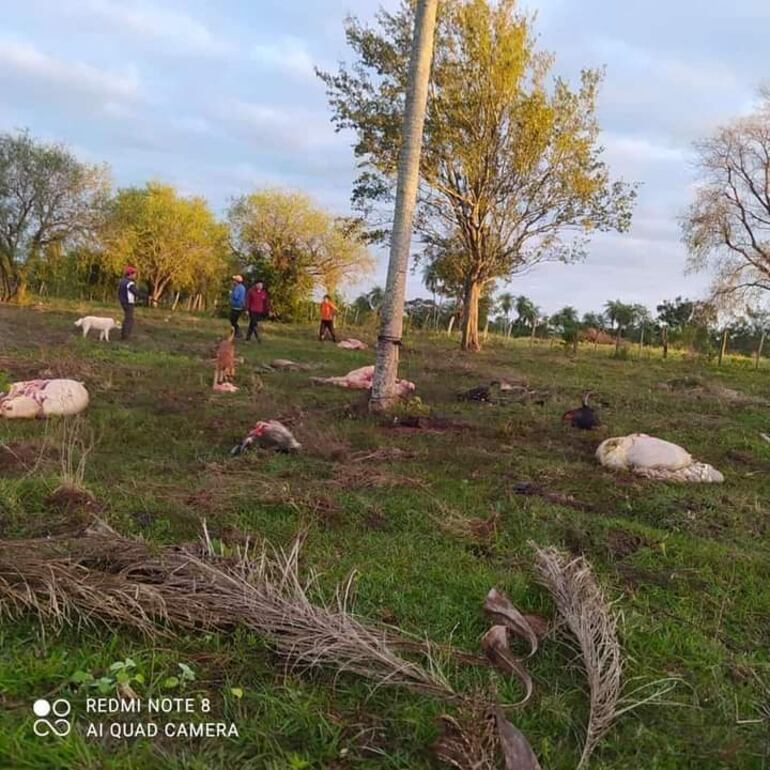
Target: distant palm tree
{"points": [[505, 303], [375, 297], [621, 316]]}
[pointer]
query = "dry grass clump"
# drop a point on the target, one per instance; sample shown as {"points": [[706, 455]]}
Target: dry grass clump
{"points": [[102, 577], [74, 441]]}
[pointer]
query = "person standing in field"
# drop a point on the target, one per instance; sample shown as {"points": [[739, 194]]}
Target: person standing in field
{"points": [[258, 306], [237, 303], [128, 294], [328, 311]]}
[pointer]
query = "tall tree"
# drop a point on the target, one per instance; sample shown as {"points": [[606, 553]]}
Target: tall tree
{"points": [[175, 242], [511, 168], [620, 315], [287, 240], [728, 225], [48, 199], [505, 302], [383, 393]]}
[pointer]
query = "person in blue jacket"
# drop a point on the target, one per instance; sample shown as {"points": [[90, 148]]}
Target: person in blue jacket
{"points": [[237, 303], [128, 296]]}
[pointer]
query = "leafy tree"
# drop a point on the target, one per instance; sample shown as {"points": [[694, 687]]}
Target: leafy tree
{"points": [[676, 314], [511, 171], [526, 311], [621, 316], [48, 200], [728, 225], [593, 321], [567, 324], [294, 246], [175, 242]]}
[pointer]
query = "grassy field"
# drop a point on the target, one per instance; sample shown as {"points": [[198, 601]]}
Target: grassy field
{"points": [[688, 566]]}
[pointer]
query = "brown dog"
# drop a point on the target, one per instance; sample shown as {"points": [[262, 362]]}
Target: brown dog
{"points": [[225, 367]]}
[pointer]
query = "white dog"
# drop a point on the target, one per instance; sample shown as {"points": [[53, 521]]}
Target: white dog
{"points": [[94, 322]]}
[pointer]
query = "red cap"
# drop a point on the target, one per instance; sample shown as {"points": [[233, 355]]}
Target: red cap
{"points": [[128, 270]]}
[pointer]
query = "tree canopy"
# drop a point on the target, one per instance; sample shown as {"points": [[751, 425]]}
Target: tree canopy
{"points": [[175, 242], [292, 244], [48, 198], [511, 171], [728, 225]]}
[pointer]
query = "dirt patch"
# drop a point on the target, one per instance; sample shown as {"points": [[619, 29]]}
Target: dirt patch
{"points": [[424, 424], [69, 500], [622, 543], [359, 476], [558, 498], [22, 456], [749, 460]]}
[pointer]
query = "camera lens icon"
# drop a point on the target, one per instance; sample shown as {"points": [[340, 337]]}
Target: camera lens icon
{"points": [[60, 726]]}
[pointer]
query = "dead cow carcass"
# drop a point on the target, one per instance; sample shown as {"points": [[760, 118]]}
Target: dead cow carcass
{"points": [[42, 398], [270, 434], [654, 458], [361, 379]]}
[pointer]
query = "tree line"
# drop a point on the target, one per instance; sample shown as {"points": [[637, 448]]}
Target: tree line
{"points": [[63, 230], [511, 172], [683, 324]]}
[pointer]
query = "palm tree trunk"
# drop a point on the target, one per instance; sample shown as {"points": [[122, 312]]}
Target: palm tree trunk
{"points": [[392, 310]]}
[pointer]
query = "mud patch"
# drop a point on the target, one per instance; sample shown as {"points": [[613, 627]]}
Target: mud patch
{"points": [[22, 456], [622, 543], [68, 500], [424, 424]]}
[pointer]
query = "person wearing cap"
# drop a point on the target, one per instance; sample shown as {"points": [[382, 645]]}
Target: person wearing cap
{"points": [[258, 305], [237, 303], [128, 294]]}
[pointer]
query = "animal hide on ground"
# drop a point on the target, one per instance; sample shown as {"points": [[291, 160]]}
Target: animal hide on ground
{"points": [[42, 398], [352, 344], [270, 434], [361, 379], [654, 458]]}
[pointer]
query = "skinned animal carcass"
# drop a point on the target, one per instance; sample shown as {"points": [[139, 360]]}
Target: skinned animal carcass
{"points": [[43, 398], [361, 379], [655, 458], [352, 344], [270, 434]]}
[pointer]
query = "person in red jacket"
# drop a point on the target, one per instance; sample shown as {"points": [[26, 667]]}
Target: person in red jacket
{"points": [[258, 305], [328, 311]]}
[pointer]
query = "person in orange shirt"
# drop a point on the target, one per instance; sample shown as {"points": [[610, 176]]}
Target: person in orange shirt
{"points": [[328, 311]]}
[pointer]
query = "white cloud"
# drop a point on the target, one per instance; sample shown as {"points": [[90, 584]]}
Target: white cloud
{"points": [[24, 62], [638, 149], [279, 128], [287, 54], [150, 22]]}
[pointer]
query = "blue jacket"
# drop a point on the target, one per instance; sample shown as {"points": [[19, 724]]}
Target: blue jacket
{"points": [[238, 297], [128, 294]]}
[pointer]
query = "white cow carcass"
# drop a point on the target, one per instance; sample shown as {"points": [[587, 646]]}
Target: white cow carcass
{"points": [[352, 344], [43, 398], [361, 379], [654, 458]]}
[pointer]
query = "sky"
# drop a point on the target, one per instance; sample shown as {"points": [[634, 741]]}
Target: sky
{"points": [[219, 97]]}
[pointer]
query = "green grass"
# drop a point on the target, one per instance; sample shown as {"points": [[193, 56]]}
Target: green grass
{"points": [[687, 565]]}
